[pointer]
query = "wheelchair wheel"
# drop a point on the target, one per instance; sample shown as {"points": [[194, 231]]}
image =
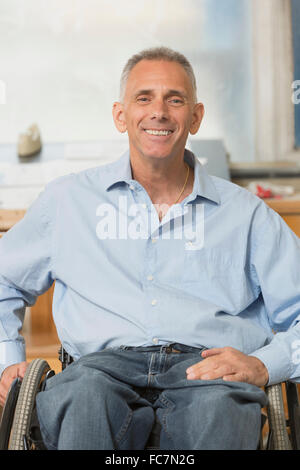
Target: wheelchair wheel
{"points": [[277, 421], [31, 384], [8, 413]]}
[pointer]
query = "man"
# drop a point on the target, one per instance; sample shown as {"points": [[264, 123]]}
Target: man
{"points": [[169, 283]]}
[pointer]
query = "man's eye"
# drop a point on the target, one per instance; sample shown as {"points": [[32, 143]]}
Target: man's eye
{"points": [[143, 99], [176, 101]]}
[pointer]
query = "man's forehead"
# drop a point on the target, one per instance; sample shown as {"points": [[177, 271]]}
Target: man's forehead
{"points": [[150, 75]]}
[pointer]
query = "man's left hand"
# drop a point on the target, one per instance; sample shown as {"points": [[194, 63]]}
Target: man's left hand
{"points": [[229, 364]]}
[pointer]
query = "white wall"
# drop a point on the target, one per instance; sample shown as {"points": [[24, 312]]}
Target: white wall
{"points": [[61, 60]]}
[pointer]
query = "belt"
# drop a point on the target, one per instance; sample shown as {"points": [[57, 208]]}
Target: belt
{"points": [[172, 348]]}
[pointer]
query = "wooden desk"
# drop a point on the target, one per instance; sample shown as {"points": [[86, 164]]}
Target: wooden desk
{"points": [[289, 209], [8, 218]]}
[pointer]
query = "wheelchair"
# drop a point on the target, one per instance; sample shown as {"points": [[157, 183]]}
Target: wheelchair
{"points": [[280, 428]]}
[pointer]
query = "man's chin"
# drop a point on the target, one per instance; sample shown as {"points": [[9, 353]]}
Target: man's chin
{"points": [[158, 152]]}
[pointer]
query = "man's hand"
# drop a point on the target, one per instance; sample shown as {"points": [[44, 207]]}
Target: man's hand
{"points": [[8, 376], [231, 365]]}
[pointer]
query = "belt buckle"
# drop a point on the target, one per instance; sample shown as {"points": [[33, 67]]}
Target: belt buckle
{"points": [[175, 351], [169, 350]]}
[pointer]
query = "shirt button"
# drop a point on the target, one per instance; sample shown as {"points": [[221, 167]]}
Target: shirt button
{"points": [[131, 187], [144, 206], [150, 277], [155, 340], [154, 302]]}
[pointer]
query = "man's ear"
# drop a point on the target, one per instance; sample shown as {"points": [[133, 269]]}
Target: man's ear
{"points": [[198, 114], [119, 117]]}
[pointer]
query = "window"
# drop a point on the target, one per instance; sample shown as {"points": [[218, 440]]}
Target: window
{"points": [[273, 78], [296, 48]]}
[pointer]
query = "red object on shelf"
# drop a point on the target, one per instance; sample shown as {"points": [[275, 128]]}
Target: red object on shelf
{"points": [[263, 193]]}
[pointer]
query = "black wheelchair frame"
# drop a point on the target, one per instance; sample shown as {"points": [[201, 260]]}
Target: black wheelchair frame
{"points": [[280, 426]]}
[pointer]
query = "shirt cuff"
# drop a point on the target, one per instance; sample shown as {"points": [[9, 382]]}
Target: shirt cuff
{"points": [[277, 363], [11, 352]]}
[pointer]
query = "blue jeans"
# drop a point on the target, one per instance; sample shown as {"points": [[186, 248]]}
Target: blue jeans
{"points": [[108, 400]]}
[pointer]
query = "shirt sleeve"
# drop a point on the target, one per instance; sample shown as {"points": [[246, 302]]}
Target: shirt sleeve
{"points": [[25, 273], [276, 264]]}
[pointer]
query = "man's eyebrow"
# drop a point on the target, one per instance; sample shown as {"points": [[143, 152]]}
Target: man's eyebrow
{"points": [[178, 93], [149, 91], [143, 92]]}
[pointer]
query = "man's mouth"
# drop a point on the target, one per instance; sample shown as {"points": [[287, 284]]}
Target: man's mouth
{"points": [[158, 131]]}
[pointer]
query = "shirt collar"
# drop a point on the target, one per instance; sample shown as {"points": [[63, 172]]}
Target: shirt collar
{"points": [[120, 171]]}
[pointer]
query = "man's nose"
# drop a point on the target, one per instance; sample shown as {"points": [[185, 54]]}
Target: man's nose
{"points": [[159, 110]]}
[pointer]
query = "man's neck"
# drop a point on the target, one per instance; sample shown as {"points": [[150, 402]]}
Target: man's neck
{"points": [[164, 183]]}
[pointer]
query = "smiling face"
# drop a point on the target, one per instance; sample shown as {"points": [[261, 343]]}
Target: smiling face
{"points": [[158, 111]]}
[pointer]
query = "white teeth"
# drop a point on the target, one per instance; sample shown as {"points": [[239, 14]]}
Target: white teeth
{"points": [[153, 132]]}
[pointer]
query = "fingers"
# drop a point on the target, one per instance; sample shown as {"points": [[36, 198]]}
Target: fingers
{"points": [[22, 369], [212, 367], [218, 363], [232, 378], [3, 394], [212, 352], [229, 364], [209, 370], [8, 376]]}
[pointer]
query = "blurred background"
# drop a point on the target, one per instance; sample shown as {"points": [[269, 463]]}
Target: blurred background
{"points": [[61, 60]]}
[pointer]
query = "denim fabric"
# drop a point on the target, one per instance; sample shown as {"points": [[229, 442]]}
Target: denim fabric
{"points": [[108, 400]]}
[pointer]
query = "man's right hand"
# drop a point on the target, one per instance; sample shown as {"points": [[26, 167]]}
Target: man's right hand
{"points": [[8, 376]]}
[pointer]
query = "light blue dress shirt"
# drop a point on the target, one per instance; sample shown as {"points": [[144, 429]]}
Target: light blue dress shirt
{"points": [[221, 269]]}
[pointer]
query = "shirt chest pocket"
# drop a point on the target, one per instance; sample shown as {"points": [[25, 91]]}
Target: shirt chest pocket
{"points": [[212, 276], [204, 264]]}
